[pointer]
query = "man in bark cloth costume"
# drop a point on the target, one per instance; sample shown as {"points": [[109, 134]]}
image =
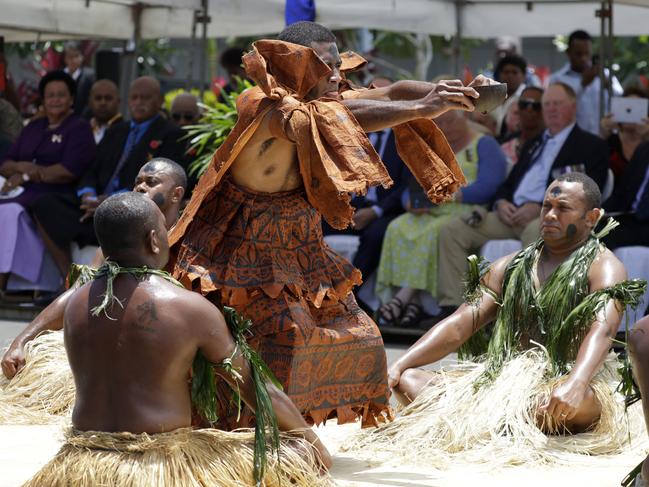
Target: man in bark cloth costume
{"points": [[251, 235], [132, 333], [39, 386], [543, 385]]}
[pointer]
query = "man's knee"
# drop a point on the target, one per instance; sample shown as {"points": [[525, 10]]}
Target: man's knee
{"points": [[454, 232]]}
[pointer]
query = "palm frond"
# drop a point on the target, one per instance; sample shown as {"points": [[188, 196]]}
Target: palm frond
{"points": [[215, 124]]}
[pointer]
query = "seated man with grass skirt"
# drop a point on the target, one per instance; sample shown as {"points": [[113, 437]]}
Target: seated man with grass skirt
{"points": [[39, 386], [544, 370], [132, 334]]}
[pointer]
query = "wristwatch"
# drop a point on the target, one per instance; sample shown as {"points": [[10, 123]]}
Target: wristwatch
{"points": [[25, 177]]}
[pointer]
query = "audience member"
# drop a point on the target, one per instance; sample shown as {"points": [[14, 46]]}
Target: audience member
{"points": [[629, 203], [126, 147], [624, 138], [232, 63], [530, 120], [184, 110], [48, 158], [378, 207], [104, 107], [510, 69], [562, 147], [581, 73], [82, 76], [407, 275]]}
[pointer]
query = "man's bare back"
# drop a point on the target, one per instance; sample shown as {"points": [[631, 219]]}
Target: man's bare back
{"points": [[132, 370]]}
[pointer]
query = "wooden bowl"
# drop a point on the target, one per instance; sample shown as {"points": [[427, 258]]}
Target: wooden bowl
{"points": [[491, 96]]}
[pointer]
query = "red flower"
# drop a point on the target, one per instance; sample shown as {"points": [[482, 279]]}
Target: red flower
{"points": [[154, 144]]}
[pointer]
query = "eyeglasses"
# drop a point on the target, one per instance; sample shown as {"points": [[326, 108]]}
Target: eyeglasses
{"points": [[188, 116], [524, 104]]}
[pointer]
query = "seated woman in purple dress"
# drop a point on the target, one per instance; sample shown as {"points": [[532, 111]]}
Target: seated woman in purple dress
{"points": [[50, 155]]}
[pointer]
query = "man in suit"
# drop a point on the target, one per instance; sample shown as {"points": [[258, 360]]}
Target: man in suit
{"points": [[83, 77], [378, 207], [629, 203], [563, 147], [124, 149]]}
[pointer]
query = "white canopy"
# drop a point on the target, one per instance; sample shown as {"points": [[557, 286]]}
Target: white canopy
{"points": [[23, 19]]}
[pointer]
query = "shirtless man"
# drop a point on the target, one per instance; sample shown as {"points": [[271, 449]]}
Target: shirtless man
{"points": [[251, 236], [569, 213], [164, 182], [639, 352], [130, 363]]}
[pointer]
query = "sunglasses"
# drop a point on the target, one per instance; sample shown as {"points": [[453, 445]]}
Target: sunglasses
{"points": [[524, 104], [178, 116]]}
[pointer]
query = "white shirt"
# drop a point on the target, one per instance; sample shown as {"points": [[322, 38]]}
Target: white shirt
{"points": [[587, 96], [501, 112], [533, 185], [75, 75]]}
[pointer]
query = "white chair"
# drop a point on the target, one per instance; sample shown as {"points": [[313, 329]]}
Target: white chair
{"points": [[495, 249], [82, 255]]}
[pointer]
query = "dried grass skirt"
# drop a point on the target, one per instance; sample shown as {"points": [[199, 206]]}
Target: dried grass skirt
{"points": [[452, 420], [180, 458], [43, 391]]}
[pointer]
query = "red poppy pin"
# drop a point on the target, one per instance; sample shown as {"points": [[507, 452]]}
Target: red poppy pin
{"points": [[154, 144]]}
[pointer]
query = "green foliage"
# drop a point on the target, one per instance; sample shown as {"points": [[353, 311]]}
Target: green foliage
{"points": [[215, 125]]}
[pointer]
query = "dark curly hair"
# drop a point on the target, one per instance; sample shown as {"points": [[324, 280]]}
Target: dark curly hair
{"points": [[57, 76]]}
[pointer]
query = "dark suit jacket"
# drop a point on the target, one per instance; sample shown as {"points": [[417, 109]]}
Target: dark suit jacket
{"points": [[389, 200], [580, 150], [160, 140], [84, 84], [627, 187]]}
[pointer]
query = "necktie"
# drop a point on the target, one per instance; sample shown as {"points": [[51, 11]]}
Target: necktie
{"points": [[131, 140], [538, 152]]}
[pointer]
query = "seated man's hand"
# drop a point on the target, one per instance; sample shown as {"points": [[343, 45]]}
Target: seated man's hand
{"points": [[506, 211], [565, 400], [526, 213], [394, 376], [323, 454], [12, 182], [363, 218], [89, 204], [13, 360]]}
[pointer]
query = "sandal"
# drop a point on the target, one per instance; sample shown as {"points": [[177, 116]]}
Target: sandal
{"points": [[411, 316], [390, 312]]}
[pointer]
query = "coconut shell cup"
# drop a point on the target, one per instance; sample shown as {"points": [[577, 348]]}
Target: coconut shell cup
{"points": [[491, 97]]}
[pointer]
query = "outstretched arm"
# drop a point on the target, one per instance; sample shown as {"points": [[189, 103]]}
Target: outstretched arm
{"points": [[449, 335], [566, 398], [216, 344], [51, 318], [380, 111]]}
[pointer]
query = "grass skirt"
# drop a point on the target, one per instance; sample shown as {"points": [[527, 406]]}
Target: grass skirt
{"points": [[43, 391], [179, 458], [452, 420]]}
